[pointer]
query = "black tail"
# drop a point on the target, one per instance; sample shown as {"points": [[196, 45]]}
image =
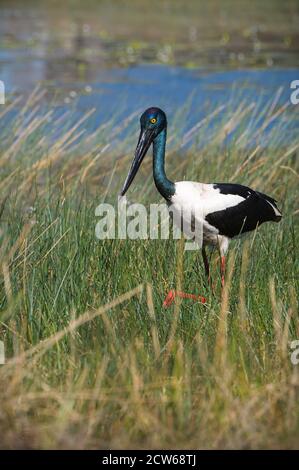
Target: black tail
{"points": [[277, 215]]}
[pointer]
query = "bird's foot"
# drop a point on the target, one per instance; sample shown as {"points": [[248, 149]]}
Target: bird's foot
{"points": [[172, 294], [169, 298]]}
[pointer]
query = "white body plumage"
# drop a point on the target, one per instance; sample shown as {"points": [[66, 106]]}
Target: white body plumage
{"points": [[211, 206]]}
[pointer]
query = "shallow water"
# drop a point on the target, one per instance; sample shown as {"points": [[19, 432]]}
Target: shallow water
{"points": [[122, 58], [196, 94]]}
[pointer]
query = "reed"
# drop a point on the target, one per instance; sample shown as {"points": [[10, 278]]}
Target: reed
{"points": [[92, 358]]}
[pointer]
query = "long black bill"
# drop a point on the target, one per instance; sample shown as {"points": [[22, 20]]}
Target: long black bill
{"points": [[145, 139]]}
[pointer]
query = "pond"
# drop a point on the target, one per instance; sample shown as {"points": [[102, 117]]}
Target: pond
{"points": [[121, 57]]}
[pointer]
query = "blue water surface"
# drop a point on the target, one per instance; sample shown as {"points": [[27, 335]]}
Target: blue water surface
{"points": [[196, 93]]}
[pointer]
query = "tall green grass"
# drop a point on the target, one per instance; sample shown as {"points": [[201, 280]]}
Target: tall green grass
{"points": [[93, 360]]}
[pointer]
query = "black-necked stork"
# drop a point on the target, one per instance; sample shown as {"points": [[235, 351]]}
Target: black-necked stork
{"points": [[227, 210]]}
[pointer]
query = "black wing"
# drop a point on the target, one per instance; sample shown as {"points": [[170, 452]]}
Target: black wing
{"points": [[256, 209], [238, 189]]}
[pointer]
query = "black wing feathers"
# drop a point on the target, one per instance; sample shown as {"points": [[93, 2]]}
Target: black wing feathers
{"points": [[246, 215]]}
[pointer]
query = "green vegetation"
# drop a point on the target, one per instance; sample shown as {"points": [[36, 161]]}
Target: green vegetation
{"points": [[93, 360]]}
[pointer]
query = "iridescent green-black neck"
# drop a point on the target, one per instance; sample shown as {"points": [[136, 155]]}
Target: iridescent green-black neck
{"points": [[163, 184]]}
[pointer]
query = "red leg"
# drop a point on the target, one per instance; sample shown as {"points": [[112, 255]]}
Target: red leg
{"points": [[172, 294], [206, 262], [207, 268]]}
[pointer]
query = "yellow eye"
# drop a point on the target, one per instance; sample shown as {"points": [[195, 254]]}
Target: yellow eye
{"points": [[153, 120]]}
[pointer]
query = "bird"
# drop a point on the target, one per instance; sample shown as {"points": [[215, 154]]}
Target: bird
{"points": [[223, 210]]}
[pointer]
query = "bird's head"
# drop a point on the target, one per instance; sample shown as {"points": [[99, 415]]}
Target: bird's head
{"points": [[152, 122]]}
